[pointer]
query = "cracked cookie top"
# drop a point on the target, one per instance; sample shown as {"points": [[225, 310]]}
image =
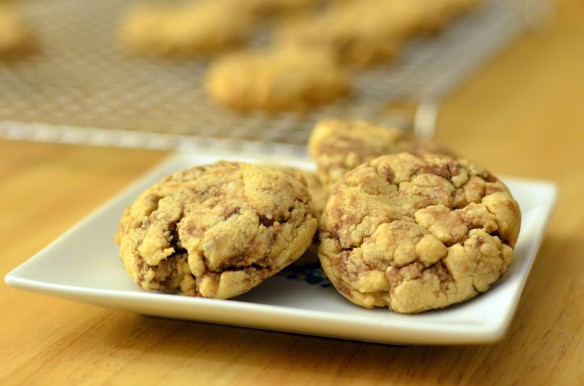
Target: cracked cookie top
{"points": [[216, 230], [338, 146], [417, 232]]}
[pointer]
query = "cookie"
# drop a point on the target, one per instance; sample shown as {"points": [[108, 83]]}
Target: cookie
{"points": [[290, 79], [418, 16], [436, 15], [366, 32], [319, 196], [14, 35], [200, 27], [359, 33], [274, 7], [216, 231], [337, 146], [417, 232]]}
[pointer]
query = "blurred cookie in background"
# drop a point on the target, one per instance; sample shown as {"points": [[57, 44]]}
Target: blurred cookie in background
{"points": [[196, 27], [14, 33], [285, 79]]}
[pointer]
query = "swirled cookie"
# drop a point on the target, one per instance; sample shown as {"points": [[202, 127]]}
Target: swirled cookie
{"points": [[216, 231], [289, 79], [338, 146], [199, 27], [417, 232]]}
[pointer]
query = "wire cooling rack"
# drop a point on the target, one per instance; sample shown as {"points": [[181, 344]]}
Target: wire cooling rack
{"points": [[78, 86]]}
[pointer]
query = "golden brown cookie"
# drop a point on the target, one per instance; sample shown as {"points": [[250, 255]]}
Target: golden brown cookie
{"points": [[318, 195], [417, 232], [216, 231], [14, 34], [337, 146], [273, 7], [365, 32], [199, 27], [434, 15], [360, 32], [289, 79], [422, 15]]}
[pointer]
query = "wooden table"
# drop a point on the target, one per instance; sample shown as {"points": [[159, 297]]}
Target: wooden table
{"points": [[523, 115]]}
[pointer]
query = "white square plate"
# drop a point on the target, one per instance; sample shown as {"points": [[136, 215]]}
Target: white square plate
{"points": [[83, 265]]}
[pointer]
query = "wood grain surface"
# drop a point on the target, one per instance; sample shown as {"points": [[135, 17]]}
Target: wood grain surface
{"points": [[522, 115]]}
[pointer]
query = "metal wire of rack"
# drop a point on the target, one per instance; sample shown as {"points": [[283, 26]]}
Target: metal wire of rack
{"points": [[79, 87]]}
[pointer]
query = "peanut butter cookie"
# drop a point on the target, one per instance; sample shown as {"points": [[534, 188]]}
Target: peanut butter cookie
{"points": [[199, 27], [274, 7], [338, 146], [290, 79], [216, 231], [417, 232], [366, 32], [359, 33]]}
